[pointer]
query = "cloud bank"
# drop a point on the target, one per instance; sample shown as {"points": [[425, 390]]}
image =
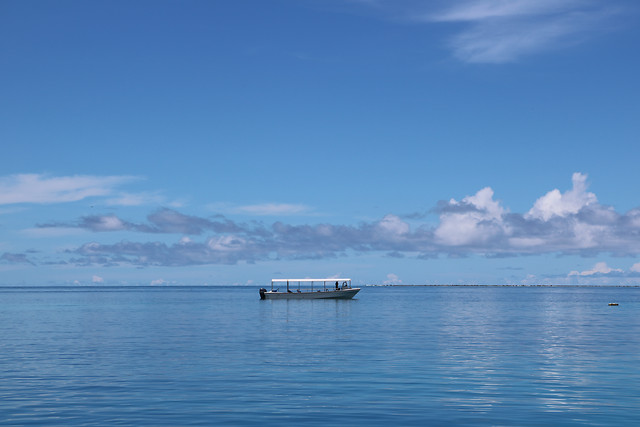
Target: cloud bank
{"points": [[572, 222], [600, 269]]}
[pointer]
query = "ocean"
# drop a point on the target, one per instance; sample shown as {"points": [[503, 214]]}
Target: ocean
{"points": [[446, 355]]}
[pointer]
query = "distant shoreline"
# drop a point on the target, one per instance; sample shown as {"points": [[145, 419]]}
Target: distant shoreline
{"points": [[512, 286]]}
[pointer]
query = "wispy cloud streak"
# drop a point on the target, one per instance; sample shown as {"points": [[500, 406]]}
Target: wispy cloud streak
{"points": [[36, 188], [502, 31]]}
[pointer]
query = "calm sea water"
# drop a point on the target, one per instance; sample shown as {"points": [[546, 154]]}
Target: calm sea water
{"points": [[402, 355]]}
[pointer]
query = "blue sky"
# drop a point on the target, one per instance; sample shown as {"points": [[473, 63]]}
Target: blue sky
{"points": [[413, 142]]}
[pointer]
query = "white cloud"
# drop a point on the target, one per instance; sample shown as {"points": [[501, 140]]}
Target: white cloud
{"points": [[393, 226], [158, 282], [479, 220], [97, 279], [504, 31], [483, 200], [107, 223], [36, 188], [599, 268], [226, 243], [500, 31], [555, 203], [392, 279], [635, 267], [633, 217], [491, 43], [588, 235], [478, 10]]}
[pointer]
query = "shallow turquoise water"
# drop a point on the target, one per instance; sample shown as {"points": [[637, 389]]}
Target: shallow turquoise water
{"points": [[409, 356]]}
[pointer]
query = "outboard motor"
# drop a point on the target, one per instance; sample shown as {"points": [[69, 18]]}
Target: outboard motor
{"points": [[262, 291]]}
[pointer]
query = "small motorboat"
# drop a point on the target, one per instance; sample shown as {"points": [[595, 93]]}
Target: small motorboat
{"points": [[331, 288]]}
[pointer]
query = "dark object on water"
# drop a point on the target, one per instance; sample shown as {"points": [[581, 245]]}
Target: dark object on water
{"points": [[321, 291], [613, 303]]}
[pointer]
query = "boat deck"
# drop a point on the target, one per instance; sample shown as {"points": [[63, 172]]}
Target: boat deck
{"points": [[340, 294]]}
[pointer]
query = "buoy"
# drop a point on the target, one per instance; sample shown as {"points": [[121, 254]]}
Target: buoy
{"points": [[613, 303]]}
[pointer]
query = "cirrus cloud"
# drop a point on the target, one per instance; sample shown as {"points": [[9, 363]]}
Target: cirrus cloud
{"points": [[43, 189], [502, 31]]}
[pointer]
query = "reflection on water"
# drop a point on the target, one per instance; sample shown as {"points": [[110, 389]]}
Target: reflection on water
{"points": [[450, 355]]}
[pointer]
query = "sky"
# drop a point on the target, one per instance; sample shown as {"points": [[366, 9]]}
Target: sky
{"points": [[390, 141]]}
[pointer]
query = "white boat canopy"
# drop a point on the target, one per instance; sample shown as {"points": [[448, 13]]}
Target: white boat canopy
{"points": [[346, 283]]}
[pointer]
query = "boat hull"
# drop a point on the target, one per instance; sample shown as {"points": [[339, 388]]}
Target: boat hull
{"points": [[340, 294]]}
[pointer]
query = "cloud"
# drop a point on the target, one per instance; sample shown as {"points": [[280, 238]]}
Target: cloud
{"points": [[499, 31], [392, 279], [103, 223], [12, 258], [572, 222], [559, 204], [42, 189], [214, 251], [97, 279], [479, 220], [171, 221], [601, 268], [233, 243], [161, 221], [392, 226], [479, 10], [502, 31], [601, 273]]}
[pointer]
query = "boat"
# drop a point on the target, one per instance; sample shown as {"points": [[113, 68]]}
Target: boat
{"points": [[331, 288]]}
